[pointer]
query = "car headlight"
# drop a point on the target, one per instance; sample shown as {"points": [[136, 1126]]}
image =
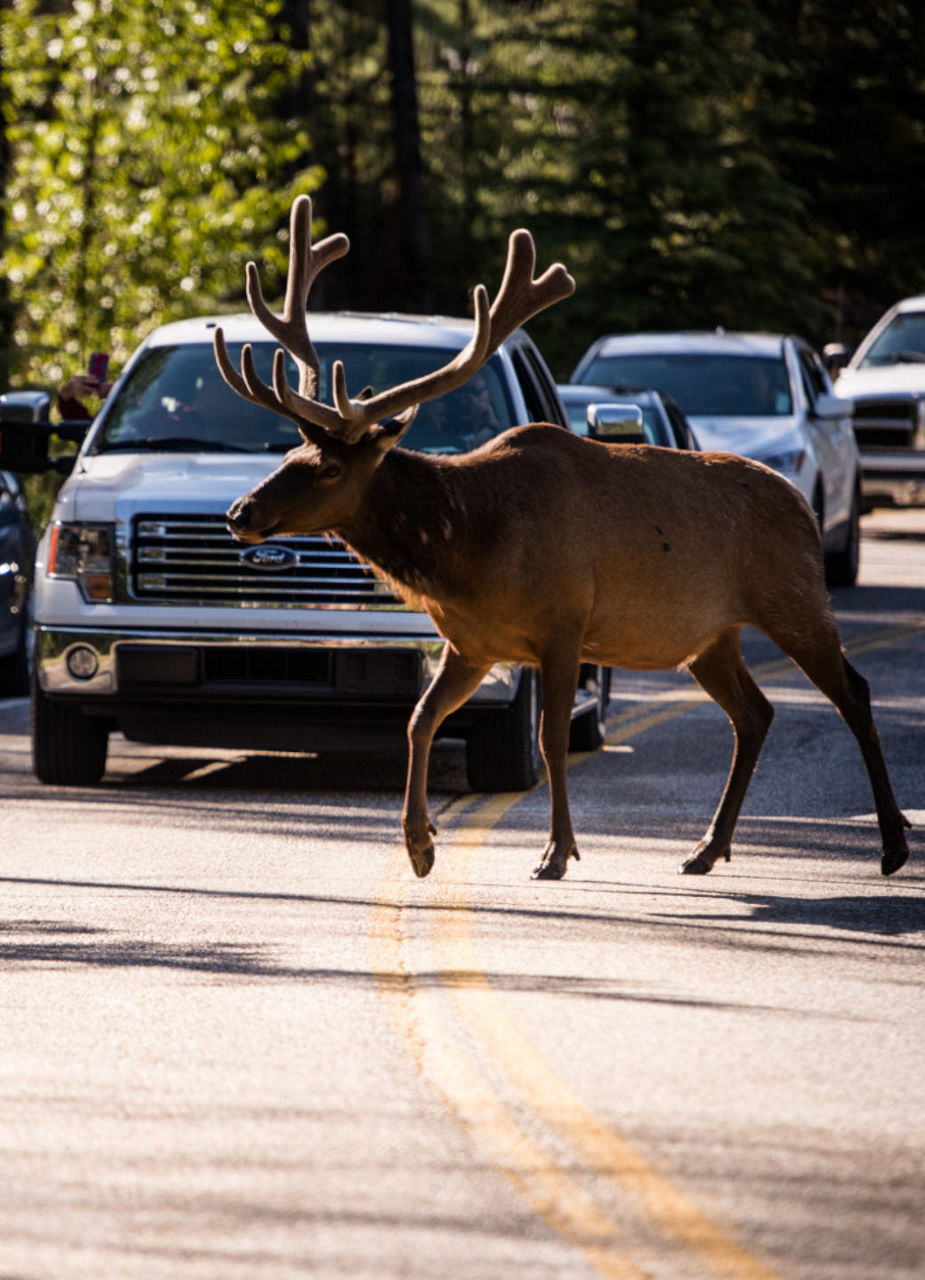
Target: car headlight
{"points": [[789, 461], [83, 554]]}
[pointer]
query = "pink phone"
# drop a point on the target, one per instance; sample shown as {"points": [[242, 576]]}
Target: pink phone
{"points": [[99, 366]]}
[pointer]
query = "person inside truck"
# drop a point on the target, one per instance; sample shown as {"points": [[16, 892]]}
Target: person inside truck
{"points": [[79, 387]]}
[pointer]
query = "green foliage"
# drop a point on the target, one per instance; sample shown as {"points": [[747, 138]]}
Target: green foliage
{"points": [[143, 175]]}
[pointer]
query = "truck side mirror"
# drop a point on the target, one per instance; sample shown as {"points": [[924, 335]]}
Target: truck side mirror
{"points": [[25, 430], [616, 423]]}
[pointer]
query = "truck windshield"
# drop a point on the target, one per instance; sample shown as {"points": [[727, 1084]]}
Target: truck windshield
{"points": [[703, 385], [901, 342], [175, 399]]}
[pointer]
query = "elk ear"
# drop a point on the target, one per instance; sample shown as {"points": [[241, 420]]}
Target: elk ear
{"points": [[388, 433], [313, 435]]}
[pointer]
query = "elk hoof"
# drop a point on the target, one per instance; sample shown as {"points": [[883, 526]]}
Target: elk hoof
{"points": [[554, 865], [547, 871], [695, 866], [421, 850], [702, 861], [892, 860]]}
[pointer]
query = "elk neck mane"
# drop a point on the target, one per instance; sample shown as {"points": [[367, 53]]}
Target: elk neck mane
{"points": [[424, 518]]}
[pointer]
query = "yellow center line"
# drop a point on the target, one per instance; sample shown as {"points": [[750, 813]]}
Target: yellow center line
{"points": [[552, 1194]]}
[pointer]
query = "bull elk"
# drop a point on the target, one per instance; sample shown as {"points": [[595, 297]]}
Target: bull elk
{"points": [[544, 548]]}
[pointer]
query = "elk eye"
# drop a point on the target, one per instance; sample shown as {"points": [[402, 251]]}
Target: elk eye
{"points": [[331, 471]]}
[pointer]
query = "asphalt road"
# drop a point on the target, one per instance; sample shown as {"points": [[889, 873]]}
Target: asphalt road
{"points": [[240, 1040]]}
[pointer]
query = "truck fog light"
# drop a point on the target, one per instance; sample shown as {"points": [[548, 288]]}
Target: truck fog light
{"points": [[82, 662]]}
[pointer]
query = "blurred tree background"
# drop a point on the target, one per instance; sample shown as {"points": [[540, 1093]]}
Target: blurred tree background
{"points": [[694, 163]]}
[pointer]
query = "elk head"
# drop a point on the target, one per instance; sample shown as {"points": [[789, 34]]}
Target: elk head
{"points": [[321, 483]]}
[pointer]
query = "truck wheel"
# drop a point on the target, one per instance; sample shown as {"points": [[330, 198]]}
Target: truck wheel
{"points": [[588, 729], [68, 748], [841, 567], [502, 747]]}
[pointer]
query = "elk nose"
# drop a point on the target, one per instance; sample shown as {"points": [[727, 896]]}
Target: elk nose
{"points": [[239, 515]]}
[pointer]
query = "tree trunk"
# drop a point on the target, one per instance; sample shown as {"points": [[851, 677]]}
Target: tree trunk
{"points": [[414, 274]]}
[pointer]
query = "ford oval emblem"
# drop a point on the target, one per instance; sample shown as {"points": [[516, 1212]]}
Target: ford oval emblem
{"points": [[270, 557]]}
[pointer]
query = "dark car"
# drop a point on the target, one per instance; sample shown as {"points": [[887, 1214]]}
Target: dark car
{"points": [[663, 422], [17, 553]]}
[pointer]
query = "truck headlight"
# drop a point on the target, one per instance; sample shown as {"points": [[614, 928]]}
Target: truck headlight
{"points": [[83, 553]]}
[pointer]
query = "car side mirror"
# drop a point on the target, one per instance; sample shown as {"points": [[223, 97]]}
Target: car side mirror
{"points": [[616, 423], [827, 406], [835, 355]]}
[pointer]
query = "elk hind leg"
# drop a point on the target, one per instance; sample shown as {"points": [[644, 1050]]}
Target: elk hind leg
{"points": [[721, 672], [830, 671], [559, 672]]}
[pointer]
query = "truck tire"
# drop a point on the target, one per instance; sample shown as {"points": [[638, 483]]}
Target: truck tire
{"points": [[841, 567], [502, 747], [588, 729], [68, 748]]}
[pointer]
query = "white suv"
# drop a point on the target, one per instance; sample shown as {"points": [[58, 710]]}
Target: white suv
{"points": [[151, 619], [765, 396]]}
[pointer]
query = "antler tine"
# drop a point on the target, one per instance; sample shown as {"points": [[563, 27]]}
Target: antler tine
{"points": [[250, 387], [520, 296], [301, 408], [306, 261]]}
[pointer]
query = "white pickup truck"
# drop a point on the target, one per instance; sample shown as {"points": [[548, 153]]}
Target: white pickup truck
{"points": [[150, 619], [885, 377]]}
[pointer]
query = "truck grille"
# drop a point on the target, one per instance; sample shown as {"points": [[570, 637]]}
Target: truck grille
{"points": [[195, 559], [885, 424]]}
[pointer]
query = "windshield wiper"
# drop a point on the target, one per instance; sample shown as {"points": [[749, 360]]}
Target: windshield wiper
{"points": [[174, 444], [909, 357]]}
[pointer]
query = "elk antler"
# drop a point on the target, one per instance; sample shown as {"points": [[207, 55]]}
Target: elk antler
{"points": [[519, 298]]}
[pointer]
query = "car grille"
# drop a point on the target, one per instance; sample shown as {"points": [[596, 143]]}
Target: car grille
{"points": [[886, 424], [195, 559]]}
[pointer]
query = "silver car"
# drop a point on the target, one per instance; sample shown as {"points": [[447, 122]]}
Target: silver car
{"points": [[764, 396]]}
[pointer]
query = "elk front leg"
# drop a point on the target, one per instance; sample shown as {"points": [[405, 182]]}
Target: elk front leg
{"points": [[455, 680], [559, 672]]}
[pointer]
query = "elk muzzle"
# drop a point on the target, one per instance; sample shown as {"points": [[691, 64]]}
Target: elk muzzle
{"points": [[241, 521]]}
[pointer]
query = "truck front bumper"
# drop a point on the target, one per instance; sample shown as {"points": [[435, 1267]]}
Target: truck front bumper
{"points": [[154, 665]]}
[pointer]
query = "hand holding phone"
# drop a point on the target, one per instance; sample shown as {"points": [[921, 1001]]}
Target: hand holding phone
{"points": [[99, 366]]}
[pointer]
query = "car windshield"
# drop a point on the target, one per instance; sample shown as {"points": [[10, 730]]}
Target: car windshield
{"points": [[703, 385], [901, 342], [176, 399]]}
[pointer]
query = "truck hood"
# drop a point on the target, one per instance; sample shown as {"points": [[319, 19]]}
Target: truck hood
{"points": [[882, 380], [751, 437], [112, 486]]}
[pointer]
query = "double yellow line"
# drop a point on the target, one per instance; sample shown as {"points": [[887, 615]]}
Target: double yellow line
{"points": [[525, 1119], [533, 1126]]}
